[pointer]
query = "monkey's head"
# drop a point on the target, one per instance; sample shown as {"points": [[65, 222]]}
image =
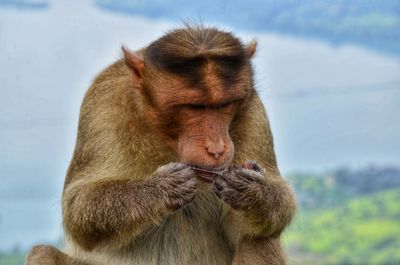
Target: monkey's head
{"points": [[193, 82]]}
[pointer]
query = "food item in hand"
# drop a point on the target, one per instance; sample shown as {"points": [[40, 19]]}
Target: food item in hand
{"points": [[207, 175]]}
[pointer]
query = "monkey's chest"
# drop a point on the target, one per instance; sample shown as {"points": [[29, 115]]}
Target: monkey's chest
{"points": [[192, 235]]}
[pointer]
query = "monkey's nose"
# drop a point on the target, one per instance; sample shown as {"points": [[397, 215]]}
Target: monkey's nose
{"points": [[215, 149]]}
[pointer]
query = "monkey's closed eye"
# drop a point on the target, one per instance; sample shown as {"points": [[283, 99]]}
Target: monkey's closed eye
{"points": [[195, 106], [227, 104], [221, 106]]}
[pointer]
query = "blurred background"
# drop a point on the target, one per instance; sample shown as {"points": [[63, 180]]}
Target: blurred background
{"points": [[327, 71]]}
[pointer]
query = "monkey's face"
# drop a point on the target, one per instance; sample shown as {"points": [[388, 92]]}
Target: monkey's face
{"points": [[193, 85], [196, 119]]}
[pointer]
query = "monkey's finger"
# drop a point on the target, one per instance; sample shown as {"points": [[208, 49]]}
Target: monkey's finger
{"points": [[235, 181], [180, 179], [225, 189], [171, 167], [177, 182], [182, 195], [183, 174], [249, 176], [177, 204], [232, 198], [221, 184], [217, 184], [216, 191], [220, 187], [186, 170], [191, 183]]}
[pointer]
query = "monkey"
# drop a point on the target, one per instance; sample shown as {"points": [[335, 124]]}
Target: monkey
{"points": [[174, 161]]}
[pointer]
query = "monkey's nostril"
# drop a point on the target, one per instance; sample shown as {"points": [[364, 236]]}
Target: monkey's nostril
{"points": [[215, 148], [215, 152]]}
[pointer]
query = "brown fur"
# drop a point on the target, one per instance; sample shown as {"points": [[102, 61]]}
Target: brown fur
{"points": [[122, 206]]}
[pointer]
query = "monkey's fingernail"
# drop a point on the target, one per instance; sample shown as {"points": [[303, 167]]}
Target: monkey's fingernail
{"points": [[252, 165], [227, 176], [247, 164]]}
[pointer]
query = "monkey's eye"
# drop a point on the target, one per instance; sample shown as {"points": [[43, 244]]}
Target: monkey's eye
{"points": [[196, 106], [228, 104], [221, 106]]}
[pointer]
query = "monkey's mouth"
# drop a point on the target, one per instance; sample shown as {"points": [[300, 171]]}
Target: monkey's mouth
{"points": [[206, 174]]}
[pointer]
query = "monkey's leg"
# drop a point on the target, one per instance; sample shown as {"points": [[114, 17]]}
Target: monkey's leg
{"points": [[261, 251], [48, 255]]}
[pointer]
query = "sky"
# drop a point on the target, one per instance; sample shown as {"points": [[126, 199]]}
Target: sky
{"points": [[329, 105]]}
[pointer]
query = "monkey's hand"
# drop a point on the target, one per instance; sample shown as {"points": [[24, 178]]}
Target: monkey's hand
{"points": [[267, 203], [241, 187], [178, 183]]}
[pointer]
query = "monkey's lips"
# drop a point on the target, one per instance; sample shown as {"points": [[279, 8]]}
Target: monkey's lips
{"points": [[207, 175]]}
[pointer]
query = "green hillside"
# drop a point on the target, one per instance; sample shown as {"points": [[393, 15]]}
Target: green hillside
{"points": [[11, 259], [366, 230]]}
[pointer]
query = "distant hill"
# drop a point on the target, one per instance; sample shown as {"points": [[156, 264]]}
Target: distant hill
{"points": [[375, 24], [330, 189], [365, 230], [347, 216]]}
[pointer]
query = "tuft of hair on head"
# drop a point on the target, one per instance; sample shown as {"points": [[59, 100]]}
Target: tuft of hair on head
{"points": [[185, 49], [195, 40]]}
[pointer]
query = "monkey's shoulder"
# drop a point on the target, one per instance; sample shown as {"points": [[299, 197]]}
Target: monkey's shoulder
{"points": [[111, 84], [110, 95], [116, 70]]}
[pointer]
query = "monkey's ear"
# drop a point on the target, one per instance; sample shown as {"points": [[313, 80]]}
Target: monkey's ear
{"points": [[134, 63], [251, 49]]}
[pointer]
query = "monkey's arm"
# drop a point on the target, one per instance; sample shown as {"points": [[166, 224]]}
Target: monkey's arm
{"points": [[95, 212], [117, 209]]}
